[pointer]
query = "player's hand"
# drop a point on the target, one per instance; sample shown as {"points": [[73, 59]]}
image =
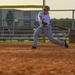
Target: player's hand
{"points": [[44, 24]]}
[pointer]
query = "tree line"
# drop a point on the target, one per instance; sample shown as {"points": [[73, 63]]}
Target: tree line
{"points": [[64, 22]]}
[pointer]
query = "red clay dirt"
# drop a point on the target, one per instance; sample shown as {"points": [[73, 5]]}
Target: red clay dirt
{"points": [[17, 58]]}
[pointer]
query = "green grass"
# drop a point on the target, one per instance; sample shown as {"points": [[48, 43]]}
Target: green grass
{"points": [[67, 40]]}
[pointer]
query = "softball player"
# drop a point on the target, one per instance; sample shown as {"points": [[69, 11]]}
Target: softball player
{"points": [[44, 21]]}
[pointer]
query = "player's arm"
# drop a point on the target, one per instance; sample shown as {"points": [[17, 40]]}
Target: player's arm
{"points": [[40, 19]]}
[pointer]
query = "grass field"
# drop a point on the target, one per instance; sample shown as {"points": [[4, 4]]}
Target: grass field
{"points": [[17, 58]]}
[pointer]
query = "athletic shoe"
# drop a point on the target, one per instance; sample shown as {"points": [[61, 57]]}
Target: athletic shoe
{"points": [[66, 45], [33, 47]]}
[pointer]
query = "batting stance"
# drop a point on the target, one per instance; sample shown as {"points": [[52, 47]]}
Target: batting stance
{"points": [[44, 21]]}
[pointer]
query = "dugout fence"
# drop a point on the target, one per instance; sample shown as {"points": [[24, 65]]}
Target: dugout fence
{"points": [[27, 22]]}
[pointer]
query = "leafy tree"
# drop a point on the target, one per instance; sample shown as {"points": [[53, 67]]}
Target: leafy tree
{"points": [[62, 22], [9, 18]]}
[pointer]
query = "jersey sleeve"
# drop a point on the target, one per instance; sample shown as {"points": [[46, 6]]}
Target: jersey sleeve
{"points": [[39, 14]]}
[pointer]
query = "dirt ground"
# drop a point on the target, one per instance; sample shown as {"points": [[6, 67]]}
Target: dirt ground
{"points": [[18, 58]]}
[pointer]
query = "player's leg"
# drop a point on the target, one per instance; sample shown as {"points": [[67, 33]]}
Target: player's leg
{"points": [[48, 32], [38, 31]]}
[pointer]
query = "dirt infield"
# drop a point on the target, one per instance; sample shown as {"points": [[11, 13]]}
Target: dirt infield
{"points": [[48, 59]]}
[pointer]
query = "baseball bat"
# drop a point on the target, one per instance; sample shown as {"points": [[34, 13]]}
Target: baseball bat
{"points": [[61, 27]]}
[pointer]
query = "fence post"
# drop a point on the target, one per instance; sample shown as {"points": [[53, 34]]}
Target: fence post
{"points": [[43, 2], [72, 31], [73, 19], [13, 20], [44, 39]]}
